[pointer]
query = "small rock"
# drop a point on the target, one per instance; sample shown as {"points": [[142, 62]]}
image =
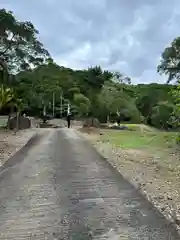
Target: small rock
{"points": [[169, 198], [177, 221], [163, 209], [160, 197], [143, 184]]}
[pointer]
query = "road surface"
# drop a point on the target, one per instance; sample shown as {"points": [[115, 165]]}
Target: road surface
{"points": [[60, 188]]}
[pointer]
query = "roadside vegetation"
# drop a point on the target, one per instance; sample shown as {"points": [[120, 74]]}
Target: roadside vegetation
{"points": [[141, 137]]}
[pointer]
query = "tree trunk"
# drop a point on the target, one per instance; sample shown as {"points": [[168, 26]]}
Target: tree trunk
{"points": [[9, 117], [17, 120], [108, 118]]}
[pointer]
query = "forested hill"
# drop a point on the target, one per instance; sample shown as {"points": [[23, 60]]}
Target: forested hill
{"points": [[94, 92]]}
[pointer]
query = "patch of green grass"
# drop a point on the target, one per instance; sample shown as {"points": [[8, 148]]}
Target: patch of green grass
{"points": [[139, 139], [140, 127]]}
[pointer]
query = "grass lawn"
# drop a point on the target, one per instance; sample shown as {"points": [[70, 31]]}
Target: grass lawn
{"points": [[142, 137]]}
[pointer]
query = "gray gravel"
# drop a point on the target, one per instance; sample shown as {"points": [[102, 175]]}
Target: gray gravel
{"points": [[11, 143], [61, 188]]}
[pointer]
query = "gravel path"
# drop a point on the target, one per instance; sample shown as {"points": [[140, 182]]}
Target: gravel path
{"points": [[61, 188]]}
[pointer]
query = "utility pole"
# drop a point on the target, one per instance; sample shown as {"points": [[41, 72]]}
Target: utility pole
{"points": [[53, 103], [61, 107], [44, 108], [68, 109]]}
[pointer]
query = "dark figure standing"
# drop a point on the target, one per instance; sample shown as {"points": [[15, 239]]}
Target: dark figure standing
{"points": [[118, 120], [69, 120]]}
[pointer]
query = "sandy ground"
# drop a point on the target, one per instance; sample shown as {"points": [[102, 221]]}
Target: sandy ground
{"points": [[10, 143], [156, 177]]}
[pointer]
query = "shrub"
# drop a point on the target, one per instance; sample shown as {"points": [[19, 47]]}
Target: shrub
{"points": [[161, 115]]}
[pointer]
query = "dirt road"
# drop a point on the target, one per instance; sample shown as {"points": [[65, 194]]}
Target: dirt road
{"points": [[60, 188]]}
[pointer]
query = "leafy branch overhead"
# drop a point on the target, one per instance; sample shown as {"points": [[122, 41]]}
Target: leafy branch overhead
{"points": [[170, 61], [170, 66], [20, 48]]}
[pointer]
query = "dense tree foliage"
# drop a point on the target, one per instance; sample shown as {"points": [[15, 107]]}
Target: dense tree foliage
{"points": [[170, 66], [6, 96], [170, 61], [19, 46], [106, 99], [20, 49]]}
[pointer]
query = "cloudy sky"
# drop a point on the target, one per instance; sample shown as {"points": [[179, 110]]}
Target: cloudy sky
{"points": [[127, 36]]}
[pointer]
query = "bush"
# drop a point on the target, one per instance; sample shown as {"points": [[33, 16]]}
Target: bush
{"points": [[178, 139], [133, 113], [82, 103], [161, 115]]}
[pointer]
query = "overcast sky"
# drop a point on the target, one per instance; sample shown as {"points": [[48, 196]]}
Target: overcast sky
{"points": [[120, 35]]}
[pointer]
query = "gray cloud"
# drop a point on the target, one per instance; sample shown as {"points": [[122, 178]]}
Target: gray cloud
{"points": [[126, 36]]}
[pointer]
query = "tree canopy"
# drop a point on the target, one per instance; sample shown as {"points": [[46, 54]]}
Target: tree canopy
{"points": [[20, 48], [170, 61], [170, 66]]}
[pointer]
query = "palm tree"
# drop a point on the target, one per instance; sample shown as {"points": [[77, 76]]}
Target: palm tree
{"points": [[6, 96]]}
